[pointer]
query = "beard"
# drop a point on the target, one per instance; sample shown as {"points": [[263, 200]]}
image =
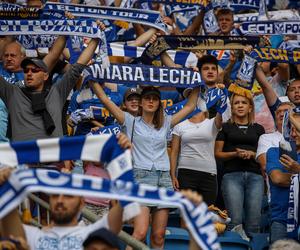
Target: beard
{"points": [[63, 217]]}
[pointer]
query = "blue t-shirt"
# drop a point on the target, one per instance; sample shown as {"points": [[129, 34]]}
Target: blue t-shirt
{"points": [[279, 194], [168, 98], [16, 78]]}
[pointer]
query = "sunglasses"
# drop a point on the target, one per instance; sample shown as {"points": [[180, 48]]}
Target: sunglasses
{"points": [[33, 70]]}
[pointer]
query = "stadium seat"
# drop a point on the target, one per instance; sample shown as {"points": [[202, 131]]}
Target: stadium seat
{"points": [[174, 219], [176, 239], [233, 243], [259, 241]]}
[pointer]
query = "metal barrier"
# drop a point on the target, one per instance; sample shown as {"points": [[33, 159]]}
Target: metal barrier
{"points": [[86, 213]]}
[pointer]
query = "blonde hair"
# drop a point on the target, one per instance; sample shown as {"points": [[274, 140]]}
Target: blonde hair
{"points": [[251, 115]]}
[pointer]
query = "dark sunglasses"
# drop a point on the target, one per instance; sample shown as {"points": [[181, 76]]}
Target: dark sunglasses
{"points": [[33, 70]]}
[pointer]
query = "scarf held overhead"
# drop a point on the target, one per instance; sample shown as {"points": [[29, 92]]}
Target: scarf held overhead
{"points": [[276, 55], [87, 28], [142, 74], [102, 148], [146, 17], [164, 43], [271, 28]]}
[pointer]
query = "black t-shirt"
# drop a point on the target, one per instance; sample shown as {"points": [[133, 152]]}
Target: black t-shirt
{"points": [[243, 137]]}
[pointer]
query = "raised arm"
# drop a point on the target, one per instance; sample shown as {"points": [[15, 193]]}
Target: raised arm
{"points": [[173, 160], [111, 106], [52, 57], [284, 71], [188, 107], [88, 52], [269, 93]]}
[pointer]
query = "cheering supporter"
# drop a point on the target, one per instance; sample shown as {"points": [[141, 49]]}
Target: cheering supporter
{"points": [[64, 231], [87, 103], [35, 111], [148, 134], [193, 141], [270, 140], [131, 101], [278, 166], [242, 183]]}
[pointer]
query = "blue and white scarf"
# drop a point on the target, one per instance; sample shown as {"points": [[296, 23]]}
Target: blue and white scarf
{"points": [[102, 148], [146, 17], [290, 45], [112, 129], [87, 28], [293, 209], [272, 15], [237, 5], [183, 58], [93, 148], [271, 28], [142, 74]]}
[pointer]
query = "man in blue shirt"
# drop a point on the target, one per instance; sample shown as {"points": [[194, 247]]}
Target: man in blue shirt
{"points": [[280, 180]]}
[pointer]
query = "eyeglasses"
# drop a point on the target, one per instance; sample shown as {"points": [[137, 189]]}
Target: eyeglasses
{"points": [[33, 70]]}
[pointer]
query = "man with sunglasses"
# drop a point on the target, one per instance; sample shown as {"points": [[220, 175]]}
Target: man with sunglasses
{"points": [[36, 111]]}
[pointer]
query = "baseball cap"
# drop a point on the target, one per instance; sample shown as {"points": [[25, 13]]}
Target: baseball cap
{"points": [[132, 91], [105, 236], [38, 62], [150, 90]]}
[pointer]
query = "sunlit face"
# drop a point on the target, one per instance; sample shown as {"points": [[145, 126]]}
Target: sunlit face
{"points": [[225, 23], [293, 92], [132, 103], [280, 113], [241, 106], [12, 57], [35, 77], [150, 103], [209, 73], [64, 209]]}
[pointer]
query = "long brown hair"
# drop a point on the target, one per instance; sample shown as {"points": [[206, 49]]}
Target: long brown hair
{"points": [[158, 118], [251, 115]]}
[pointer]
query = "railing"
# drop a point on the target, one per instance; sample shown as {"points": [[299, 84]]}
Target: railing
{"points": [[90, 216]]}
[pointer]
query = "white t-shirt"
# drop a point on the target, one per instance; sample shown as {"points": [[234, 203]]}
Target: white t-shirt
{"points": [[61, 238], [197, 145], [267, 141]]}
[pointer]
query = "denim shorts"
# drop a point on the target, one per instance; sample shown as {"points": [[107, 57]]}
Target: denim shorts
{"points": [[153, 177]]}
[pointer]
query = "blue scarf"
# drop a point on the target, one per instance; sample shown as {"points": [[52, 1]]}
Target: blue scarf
{"points": [[112, 129], [87, 28], [271, 28], [237, 5], [183, 58], [146, 17], [102, 148], [142, 74], [293, 209]]}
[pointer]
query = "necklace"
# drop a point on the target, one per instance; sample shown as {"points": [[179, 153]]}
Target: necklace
{"points": [[244, 128]]}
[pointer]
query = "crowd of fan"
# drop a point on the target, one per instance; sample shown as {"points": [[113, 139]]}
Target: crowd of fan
{"points": [[230, 156]]}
